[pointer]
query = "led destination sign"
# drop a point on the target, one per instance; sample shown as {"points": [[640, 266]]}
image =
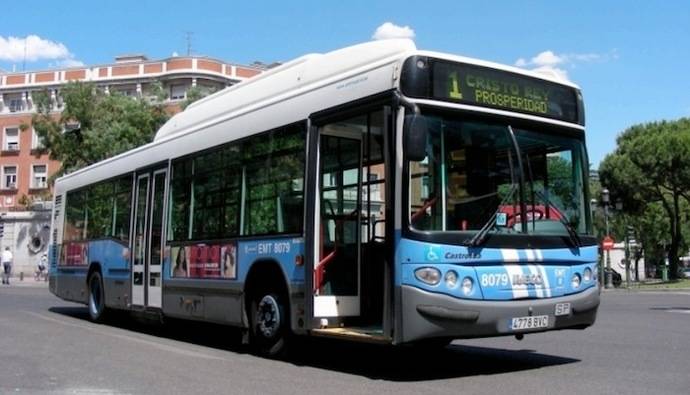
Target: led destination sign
{"points": [[486, 87]]}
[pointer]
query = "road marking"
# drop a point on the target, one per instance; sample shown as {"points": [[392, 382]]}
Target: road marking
{"points": [[678, 311], [663, 293], [78, 391], [128, 338]]}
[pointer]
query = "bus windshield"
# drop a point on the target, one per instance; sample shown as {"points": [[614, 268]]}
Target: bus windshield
{"points": [[470, 180]]}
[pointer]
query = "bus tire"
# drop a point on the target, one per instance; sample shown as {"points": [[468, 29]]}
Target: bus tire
{"points": [[96, 300], [269, 323]]}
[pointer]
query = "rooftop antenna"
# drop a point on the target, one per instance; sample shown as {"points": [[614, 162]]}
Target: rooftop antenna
{"points": [[189, 42]]}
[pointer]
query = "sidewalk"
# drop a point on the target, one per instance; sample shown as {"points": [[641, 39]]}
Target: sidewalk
{"points": [[645, 289], [27, 282], [638, 288]]}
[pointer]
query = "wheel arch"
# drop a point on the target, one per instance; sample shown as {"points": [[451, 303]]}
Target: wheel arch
{"points": [[94, 267], [264, 273]]}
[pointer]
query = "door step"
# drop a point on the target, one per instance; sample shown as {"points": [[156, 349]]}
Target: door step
{"points": [[358, 334]]}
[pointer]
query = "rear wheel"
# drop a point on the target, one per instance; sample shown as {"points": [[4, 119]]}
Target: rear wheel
{"points": [[269, 323], [96, 297]]}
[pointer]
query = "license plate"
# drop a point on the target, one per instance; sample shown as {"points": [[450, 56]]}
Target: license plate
{"points": [[532, 322], [562, 309]]}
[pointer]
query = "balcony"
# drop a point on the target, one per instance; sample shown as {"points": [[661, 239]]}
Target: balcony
{"points": [[11, 149]]}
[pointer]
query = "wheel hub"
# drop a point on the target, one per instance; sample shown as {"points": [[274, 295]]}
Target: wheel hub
{"points": [[268, 317]]}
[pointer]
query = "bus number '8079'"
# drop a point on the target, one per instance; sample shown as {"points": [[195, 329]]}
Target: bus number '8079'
{"points": [[494, 279]]}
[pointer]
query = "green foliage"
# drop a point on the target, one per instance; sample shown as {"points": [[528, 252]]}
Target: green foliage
{"points": [[650, 174], [24, 201], [195, 93], [93, 125]]}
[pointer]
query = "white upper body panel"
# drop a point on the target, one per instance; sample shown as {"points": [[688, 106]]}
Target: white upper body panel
{"points": [[284, 95]]}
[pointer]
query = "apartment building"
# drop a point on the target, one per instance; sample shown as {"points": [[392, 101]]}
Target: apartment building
{"points": [[25, 167]]}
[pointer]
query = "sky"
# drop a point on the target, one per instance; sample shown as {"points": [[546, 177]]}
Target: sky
{"points": [[631, 58]]}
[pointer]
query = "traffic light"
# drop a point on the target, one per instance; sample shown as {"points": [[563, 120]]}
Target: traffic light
{"points": [[2, 228]]}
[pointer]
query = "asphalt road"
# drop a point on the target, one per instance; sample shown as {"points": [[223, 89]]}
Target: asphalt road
{"points": [[639, 345]]}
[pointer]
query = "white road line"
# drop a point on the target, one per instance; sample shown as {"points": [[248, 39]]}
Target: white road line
{"points": [[128, 338]]}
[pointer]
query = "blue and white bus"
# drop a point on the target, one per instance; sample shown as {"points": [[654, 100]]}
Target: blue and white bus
{"points": [[375, 193]]}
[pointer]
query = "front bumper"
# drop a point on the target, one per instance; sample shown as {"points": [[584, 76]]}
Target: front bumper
{"points": [[429, 315]]}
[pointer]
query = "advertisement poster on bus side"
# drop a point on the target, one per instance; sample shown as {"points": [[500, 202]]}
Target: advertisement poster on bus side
{"points": [[205, 261], [75, 254]]}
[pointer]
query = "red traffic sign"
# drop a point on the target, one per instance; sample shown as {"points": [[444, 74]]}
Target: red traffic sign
{"points": [[607, 243]]}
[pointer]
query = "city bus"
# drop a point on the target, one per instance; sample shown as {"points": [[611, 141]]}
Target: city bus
{"points": [[376, 193]]}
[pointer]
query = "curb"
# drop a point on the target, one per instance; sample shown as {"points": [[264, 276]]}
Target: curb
{"points": [[16, 283], [646, 290]]}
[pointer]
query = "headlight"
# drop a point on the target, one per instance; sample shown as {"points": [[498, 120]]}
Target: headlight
{"points": [[587, 275], [451, 279], [467, 284], [428, 275], [575, 282]]}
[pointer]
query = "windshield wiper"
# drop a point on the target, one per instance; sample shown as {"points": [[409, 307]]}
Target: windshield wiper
{"points": [[478, 238], [572, 233]]}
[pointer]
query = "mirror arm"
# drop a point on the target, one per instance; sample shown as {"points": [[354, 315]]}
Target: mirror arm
{"points": [[410, 106]]}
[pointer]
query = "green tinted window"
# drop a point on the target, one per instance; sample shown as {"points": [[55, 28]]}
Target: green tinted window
{"points": [[207, 189], [99, 211]]}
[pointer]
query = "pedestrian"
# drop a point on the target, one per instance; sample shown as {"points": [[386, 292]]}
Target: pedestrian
{"points": [[41, 266], [7, 258]]}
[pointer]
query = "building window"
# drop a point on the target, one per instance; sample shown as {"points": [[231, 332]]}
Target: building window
{"points": [[126, 90], [15, 102], [177, 92], [9, 177], [39, 176], [36, 140], [59, 100], [11, 140]]}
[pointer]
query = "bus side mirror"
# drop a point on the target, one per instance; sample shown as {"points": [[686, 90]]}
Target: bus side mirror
{"points": [[415, 131]]}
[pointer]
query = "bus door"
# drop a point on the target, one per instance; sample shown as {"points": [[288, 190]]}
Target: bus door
{"points": [[338, 228], [147, 241]]}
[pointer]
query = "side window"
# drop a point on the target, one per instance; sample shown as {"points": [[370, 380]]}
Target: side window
{"points": [[75, 215], [180, 199], [216, 193], [123, 209], [274, 182], [266, 170], [98, 211]]}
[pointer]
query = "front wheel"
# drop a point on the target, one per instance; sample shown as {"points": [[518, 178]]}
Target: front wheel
{"points": [[96, 297], [269, 322]]}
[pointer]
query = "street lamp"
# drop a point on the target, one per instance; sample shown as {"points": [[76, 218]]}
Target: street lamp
{"points": [[605, 201], [593, 203]]}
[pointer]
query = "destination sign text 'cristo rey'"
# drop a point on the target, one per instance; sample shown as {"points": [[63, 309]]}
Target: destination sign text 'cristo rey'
{"points": [[430, 78]]}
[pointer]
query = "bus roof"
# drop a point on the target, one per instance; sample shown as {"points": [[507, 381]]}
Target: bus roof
{"points": [[301, 72]]}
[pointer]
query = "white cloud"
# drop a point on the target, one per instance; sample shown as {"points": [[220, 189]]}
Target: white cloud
{"points": [[67, 63], [545, 62], [550, 70], [33, 48], [390, 30], [548, 62], [547, 58]]}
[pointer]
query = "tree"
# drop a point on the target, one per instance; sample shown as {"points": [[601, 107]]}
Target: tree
{"points": [[651, 164], [195, 93], [93, 125]]}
